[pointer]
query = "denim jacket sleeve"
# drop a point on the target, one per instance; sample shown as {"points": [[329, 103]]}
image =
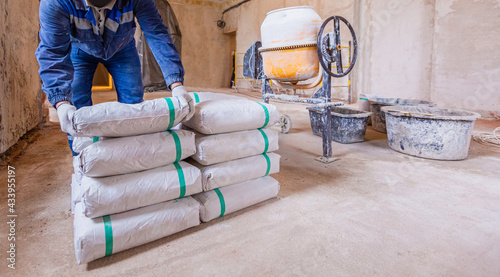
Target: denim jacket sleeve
{"points": [[159, 41], [53, 53]]}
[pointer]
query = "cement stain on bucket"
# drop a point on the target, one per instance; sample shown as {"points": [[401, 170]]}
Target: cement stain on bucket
{"points": [[429, 132], [348, 125], [378, 117]]}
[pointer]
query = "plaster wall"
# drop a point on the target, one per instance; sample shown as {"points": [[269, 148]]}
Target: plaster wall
{"points": [[466, 56], [395, 44], [206, 53], [20, 87], [444, 51]]}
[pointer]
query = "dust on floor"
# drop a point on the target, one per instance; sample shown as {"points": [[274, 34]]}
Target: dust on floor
{"points": [[374, 212]]}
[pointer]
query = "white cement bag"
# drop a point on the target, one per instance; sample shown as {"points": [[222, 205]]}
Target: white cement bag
{"points": [[76, 167], [76, 179], [131, 154], [113, 119], [116, 194], [80, 143], [221, 201], [238, 171], [232, 115], [103, 236], [204, 96], [220, 148], [75, 193]]}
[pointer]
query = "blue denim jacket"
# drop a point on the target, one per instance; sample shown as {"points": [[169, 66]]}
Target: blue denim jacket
{"points": [[71, 23]]}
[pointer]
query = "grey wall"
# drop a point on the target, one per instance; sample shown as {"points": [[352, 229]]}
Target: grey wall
{"points": [[20, 88]]}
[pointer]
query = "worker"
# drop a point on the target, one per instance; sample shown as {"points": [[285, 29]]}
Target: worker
{"points": [[77, 35]]}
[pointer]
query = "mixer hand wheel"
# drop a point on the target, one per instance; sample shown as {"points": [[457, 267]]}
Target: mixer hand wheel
{"points": [[331, 43]]}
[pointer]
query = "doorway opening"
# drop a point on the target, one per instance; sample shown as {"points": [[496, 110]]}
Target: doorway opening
{"points": [[102, 79]]}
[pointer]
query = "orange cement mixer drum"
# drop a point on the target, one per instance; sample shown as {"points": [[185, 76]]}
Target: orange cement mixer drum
{"points": [[289, 44]]}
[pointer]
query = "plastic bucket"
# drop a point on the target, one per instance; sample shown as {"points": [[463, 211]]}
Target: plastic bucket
{"points": [[429, 132], [378, 117], [348, 125]]}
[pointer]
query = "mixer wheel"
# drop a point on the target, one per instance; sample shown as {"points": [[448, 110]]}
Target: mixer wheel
{"points": [[332, 43], [285, 123]]}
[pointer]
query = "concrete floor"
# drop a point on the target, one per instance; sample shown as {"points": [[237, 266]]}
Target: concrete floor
{"points": [[374, 212]]}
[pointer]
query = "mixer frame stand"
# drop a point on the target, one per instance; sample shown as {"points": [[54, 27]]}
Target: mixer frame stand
{"points": [[329, 51], [322, 98]]}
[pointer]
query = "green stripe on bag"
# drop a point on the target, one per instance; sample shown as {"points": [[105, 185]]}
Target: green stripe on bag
{"points": [[265, 140], [268, 164], [266, 111], [178, 149], [96, 139], [171, 111], [182, 180], [108, 232], [196, 97], [222, 202]]}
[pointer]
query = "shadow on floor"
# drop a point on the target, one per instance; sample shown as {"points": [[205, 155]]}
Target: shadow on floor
{"points": [[130, 253]]}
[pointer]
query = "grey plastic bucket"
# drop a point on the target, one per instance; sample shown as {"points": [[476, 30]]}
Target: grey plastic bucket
{"points": [[429, 132], [378, 117], [348, 125], [364, 105]]}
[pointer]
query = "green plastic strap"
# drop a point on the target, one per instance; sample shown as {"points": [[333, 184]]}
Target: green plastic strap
{"points": [[182, 180], [96, 139], [196, 97], [171, 111], [266, 111], [108, 231], [178, 149], [222, 202], [265, 140], [268, 163], [363, 99]]}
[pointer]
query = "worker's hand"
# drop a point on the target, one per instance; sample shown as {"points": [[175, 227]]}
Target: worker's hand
{"points": [[185, 101], [65, 113]]}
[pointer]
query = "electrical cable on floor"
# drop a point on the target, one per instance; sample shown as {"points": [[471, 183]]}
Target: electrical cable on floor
{"points": [[488, 138]]}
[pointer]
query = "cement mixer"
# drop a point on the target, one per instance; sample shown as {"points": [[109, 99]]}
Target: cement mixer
{"points": [[292, 49]]}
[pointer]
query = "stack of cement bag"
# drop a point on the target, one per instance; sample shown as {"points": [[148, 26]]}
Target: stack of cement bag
{"points": [[130, 184], [233, 152]]}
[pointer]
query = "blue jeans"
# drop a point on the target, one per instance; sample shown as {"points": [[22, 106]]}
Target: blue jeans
{"points": [[124, 67]]}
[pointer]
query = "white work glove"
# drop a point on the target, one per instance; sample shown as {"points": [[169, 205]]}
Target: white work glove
{"points": [[185, 101], [65, 113]]}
